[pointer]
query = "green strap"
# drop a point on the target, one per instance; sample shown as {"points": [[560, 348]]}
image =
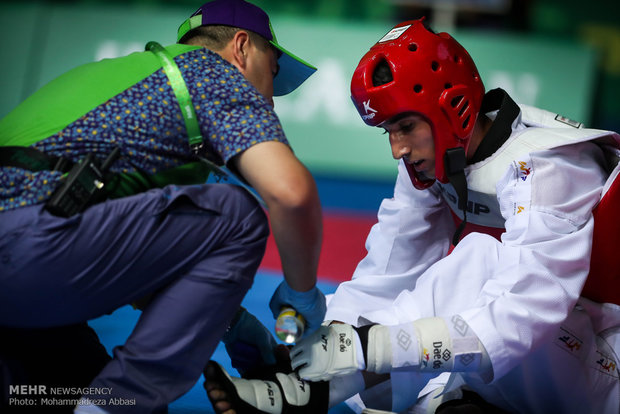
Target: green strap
{"points": [[182, 94], [189, 115]]}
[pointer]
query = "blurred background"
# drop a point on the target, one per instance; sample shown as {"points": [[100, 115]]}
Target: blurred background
{"points": [[560, 55]]}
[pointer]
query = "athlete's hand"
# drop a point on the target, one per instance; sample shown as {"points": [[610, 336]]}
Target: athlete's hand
{"points": [[311, 305], [330, 351]]}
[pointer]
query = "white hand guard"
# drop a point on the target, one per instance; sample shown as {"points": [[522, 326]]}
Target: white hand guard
{"points": [[330, 351]]}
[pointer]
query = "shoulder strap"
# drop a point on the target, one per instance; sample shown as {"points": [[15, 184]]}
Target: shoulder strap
{"points": [[501, 128], [182, 94]]}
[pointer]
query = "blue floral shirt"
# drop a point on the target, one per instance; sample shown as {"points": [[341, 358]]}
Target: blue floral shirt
{"points": [[143, 119]]}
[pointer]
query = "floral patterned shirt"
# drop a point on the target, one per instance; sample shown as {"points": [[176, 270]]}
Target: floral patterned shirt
{"points": [[128, 103]]}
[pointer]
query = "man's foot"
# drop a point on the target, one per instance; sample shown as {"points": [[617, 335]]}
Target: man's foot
{"points": [[279, 394]]}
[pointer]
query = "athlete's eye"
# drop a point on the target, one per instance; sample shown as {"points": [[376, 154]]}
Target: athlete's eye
{"points": [[407, 127]]}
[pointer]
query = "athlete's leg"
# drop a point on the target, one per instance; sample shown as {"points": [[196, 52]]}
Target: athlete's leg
{"points": [[275, 393], [281, 391]]}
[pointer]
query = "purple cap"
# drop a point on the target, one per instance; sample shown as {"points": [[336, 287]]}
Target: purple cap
{"points": [[239, 13]]}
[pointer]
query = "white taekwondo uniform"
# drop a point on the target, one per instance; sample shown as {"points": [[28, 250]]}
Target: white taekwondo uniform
{"points": [[551, 349]]}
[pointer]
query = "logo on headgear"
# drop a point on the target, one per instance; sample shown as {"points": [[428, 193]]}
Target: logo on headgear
{"points": [[368, 109]]}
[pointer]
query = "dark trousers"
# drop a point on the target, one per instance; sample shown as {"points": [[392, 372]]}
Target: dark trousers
{"points": [[67, 357], [195, 249]]}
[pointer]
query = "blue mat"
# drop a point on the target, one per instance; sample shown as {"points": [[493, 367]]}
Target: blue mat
{"points": [[114, 329]]}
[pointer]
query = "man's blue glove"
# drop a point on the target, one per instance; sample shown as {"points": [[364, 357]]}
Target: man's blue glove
{"points": [[311, 305], [249, 343]]}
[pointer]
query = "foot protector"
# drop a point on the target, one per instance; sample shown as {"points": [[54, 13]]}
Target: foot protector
{"points": [[279, 394]]}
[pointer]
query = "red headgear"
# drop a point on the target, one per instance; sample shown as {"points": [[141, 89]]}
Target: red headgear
{"points": [[433, 75]]}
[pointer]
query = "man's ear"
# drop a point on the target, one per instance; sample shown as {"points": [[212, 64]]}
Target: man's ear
{"points": [[240, 48]]}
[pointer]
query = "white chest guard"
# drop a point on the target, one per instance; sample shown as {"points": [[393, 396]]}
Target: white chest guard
{"points": [[539, 130]]}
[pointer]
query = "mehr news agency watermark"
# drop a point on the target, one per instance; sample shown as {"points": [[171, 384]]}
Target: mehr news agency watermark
{"points": [[43, 395]]}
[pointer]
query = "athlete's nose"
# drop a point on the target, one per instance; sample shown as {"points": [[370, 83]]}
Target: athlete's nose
{"points": [[399, 149]]}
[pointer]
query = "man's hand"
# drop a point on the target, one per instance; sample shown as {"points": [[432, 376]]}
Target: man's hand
{"points": [[311, 305], [330, 351], [249, 343]]}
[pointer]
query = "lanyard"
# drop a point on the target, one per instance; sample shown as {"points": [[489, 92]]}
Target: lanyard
{"points": [[189, 115], [182, 94]]}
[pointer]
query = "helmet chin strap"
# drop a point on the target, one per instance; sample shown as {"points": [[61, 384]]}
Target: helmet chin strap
{"points": [[454, 165]]}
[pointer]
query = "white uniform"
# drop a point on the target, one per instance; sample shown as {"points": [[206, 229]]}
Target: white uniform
{"points": [[551, 350]]}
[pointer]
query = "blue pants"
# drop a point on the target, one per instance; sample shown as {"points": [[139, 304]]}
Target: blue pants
{"points": [[196, 248]]}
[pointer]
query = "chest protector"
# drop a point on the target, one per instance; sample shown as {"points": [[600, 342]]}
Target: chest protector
{"points": [[546, 131]]}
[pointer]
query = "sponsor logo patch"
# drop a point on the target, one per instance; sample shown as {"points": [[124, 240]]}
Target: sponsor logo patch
{"points": [[524, 170], [394, 33], [425, 357], [568, 121], [568, 342], [370, 112], [606, 364], [440, 355]]}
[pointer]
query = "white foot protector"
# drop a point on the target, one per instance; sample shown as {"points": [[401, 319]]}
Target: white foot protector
{"points": [[282, 394]]}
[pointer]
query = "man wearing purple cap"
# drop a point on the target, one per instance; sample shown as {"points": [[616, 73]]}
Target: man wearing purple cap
{"points": [[105, 202]]}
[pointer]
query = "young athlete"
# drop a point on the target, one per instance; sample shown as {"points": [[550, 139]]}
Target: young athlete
{"points": [[480, 268]]}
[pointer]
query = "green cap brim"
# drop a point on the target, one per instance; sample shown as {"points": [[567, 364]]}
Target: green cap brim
{"points": [[189, 24], [293, 72]]}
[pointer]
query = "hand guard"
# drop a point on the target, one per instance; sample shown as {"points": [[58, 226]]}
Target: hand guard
{"points": [[311, 305], [330, 351]]}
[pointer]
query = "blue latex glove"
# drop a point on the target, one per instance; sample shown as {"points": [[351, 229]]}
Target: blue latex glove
{"points": [[311, 305], [249, 343]]}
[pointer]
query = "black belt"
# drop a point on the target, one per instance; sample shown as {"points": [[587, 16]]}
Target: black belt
{"points": [[32, 159]]}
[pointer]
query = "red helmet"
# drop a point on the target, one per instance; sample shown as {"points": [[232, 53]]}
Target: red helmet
{"points": [[433, 75]]}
